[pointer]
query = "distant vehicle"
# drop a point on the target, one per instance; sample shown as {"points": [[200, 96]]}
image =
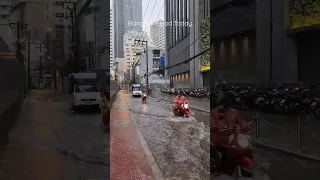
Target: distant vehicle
{"points": [[136, 90], [84, 91]]}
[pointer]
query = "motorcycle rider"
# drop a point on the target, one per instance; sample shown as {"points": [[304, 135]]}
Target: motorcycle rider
{"points": [[223, 117], [143, 93], [179, 99]]}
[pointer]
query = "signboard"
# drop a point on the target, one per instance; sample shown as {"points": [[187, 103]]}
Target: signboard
{"points": [[162, 61], [305, 13], [7, 55]]}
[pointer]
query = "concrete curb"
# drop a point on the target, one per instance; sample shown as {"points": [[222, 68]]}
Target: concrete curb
{"points": [[156, 171], [192, 107], [299, 155]]}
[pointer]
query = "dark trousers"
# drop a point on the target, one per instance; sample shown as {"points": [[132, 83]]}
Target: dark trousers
{"points": [[222, 164]]}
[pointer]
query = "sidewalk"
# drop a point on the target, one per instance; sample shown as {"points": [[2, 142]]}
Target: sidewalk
{"points": [[128, 154], [200, 104]]}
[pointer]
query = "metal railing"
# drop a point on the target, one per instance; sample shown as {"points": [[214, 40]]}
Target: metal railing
{"points": [[292, 133], [297, 135]]}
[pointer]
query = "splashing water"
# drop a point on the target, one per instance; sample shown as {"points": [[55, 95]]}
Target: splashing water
{"points": [[181, 119]]}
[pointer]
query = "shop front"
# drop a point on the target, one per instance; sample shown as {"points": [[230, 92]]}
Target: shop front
{"points": [[181, 80]]}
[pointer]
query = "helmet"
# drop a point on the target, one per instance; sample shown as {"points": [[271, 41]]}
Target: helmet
{"points": [[181, 93], [225, 99]]}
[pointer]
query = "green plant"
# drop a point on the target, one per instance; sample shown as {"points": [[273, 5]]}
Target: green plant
{"points": [[305, 13], [205, 44]]}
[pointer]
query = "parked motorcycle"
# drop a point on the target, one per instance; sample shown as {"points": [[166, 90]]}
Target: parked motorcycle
{"points": [[183, 110]]}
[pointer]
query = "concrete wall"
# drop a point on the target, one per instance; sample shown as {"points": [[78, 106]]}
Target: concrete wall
{"points": [[196, 79], [276, 51], [233, 19], [12, 91]]}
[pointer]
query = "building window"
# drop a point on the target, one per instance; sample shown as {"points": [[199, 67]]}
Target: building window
{"points": [[178, 19], [58, 15], [156, 63], [58, 3], [188, 15]]}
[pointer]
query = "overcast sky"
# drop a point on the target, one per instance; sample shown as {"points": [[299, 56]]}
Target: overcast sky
{"points": [[150, 13]]}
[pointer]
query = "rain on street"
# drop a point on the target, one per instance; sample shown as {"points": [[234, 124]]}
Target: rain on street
{"points": [[180, 146]]}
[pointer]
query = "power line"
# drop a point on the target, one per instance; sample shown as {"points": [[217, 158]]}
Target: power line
{"points": [[152, 11], [145, 11], [248, 16], [183, 62], [188, 60]]}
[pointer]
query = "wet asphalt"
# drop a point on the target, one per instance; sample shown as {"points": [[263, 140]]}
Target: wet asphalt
{"points": [[53, 143], [50, 142], [179, 145]]}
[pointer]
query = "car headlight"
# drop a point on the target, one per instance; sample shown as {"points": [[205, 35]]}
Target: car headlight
{"points": [[243, 141], [186, 106]]}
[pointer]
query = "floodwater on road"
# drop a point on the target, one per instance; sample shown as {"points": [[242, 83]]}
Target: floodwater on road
{"points": [[180, 146]]}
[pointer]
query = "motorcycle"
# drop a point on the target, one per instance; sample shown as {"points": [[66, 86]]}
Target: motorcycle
{"points": [[238, 154], [183, 110], [144, 98]]}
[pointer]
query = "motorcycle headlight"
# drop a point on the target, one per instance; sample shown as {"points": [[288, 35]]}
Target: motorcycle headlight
{"points": [[186, 106], [242, 141]]}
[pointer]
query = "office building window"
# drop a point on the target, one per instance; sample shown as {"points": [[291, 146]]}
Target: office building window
{"points": [[188, 15], [173, 18], [58, 3], [183, 18], [178, 19]]}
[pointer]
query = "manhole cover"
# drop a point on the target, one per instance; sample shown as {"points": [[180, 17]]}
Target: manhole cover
{"points": [[124, 123]]}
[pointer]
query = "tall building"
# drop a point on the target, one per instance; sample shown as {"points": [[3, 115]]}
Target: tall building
{"points": [[5, 9], [131, 48], [283, 49], [184, 42], [111, 38], [157, 33], [140, 68], [125, 11]]}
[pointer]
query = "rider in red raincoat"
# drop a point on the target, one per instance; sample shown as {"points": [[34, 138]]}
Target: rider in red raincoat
{"points": [[223, 117], [179, 99]]}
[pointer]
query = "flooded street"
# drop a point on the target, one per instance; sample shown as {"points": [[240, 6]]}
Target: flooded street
{"points": [[179, 145]]}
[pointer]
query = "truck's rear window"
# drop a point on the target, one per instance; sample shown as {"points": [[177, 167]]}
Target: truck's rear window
{"points": [[87, 88]]}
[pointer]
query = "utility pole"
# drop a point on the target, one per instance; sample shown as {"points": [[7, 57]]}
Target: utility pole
{"points": [[73, 13], [54, 72], [18, 25], [146, 43], [40, 63], [29, 83], [95, 33]]}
